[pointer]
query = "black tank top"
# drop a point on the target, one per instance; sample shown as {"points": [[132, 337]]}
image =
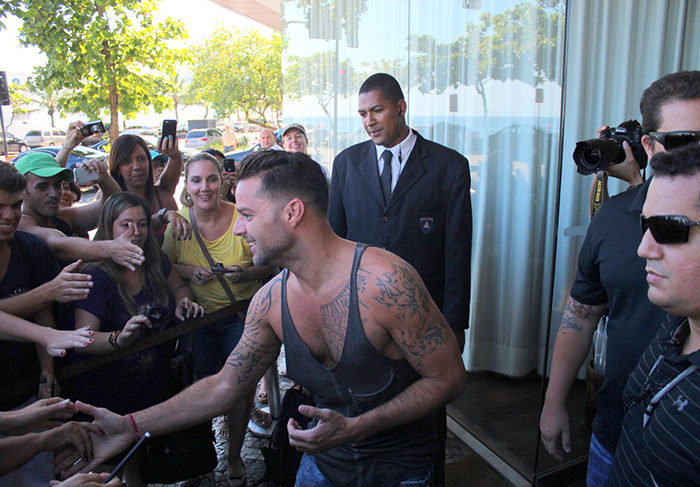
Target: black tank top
{"points": [[363, 379]]}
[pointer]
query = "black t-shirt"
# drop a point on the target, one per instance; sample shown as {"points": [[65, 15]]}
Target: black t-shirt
{"points": [[610, 271], [31, 265]]}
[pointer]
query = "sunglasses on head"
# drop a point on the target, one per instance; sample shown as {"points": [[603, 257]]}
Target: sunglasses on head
{"points": [[668, 229], [672, 140]]}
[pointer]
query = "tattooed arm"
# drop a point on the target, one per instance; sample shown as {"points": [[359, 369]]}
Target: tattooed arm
{"points": [[205, 399], [415, 327], [571, 348]]}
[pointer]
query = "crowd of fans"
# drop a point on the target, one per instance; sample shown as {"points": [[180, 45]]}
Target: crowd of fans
{"points": [[67, 296]]}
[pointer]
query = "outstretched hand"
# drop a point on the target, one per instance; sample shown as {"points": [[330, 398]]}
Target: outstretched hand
{"points": [[110, 434], [58, 341], [87, 480], [125, 253], [187, 309], [69, 285], [45, 413], [331, 430]]}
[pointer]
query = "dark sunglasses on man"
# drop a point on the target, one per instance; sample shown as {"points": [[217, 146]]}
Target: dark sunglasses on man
{"points": [[668, 229], [673, 140]]}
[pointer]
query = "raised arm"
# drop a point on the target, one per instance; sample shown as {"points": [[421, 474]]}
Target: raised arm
{"points": [[416, 326], [69, 249], [171, 174], [572, 344], [73, 138]]}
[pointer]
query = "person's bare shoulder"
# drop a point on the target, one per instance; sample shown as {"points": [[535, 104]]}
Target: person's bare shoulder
{"points": [[264, 309]]}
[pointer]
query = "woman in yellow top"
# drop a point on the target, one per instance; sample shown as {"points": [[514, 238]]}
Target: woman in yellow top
{"points": [[214, 219]]}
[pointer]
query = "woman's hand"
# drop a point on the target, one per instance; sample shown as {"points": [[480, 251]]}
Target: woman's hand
{"points": [[200, 276], [188, 309], [181, 228], [132, 331], [72, 433], [87, 480], [228, 181], [58, 341], [234, 273], [169, 147], [46, 413]]}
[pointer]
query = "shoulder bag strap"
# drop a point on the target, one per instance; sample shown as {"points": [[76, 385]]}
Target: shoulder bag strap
{"points": [[206, 253]]}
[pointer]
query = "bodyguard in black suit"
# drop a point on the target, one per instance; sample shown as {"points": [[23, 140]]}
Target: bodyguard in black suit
{"points": [[410, 196], [427, 217]]}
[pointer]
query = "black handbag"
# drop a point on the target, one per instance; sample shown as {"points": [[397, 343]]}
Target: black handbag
{"points": [[184, 454]]}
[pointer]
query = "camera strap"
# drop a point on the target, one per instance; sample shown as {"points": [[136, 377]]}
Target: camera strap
{"points": [[599, 193], [206, 253]]}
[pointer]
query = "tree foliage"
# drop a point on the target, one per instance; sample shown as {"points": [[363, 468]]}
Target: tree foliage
{"points": [[19, 100], [322, 77], [235, 71], [521, 43], [107, 54]]}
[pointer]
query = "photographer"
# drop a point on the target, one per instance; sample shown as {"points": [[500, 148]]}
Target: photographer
{"points": [[611, 275]]}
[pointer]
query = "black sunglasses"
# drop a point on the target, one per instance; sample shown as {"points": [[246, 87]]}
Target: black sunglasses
{"points": [[672, 140], [668, 229]]}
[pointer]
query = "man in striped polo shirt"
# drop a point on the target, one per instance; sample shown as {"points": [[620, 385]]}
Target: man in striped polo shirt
{"points": [[660, 440]]}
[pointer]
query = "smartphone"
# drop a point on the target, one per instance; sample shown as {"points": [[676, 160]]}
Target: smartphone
{"points": [[84, 176], [169, 129], [94, 127], [126, 458], [229, 165]]}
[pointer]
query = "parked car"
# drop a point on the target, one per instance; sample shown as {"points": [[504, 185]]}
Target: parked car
{"points": [[103, 146], [202, 137], [238, 156], [13, 144], [44, 137], [238, 126], [77, 154], [150, 135]]}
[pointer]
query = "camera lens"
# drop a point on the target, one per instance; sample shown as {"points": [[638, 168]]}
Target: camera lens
{"points": [[596, 154]]}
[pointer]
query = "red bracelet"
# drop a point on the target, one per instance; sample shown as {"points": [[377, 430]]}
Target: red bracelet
{"points": [[133, 425]]}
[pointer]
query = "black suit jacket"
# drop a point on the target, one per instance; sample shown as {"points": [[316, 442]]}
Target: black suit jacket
{"points": [[427, 222]]}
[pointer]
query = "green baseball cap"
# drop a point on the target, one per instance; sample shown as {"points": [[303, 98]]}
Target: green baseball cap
{"points": [[43, 165]]}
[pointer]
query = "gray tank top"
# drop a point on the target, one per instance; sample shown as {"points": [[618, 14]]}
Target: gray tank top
{"points": [[363, 379]]}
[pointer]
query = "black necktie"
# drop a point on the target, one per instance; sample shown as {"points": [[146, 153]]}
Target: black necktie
{"points": [[385, 177]]}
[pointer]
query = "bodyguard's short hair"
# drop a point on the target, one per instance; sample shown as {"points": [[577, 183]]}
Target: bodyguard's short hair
{"points": [[287, 175], [386, 83], [683, 85], [684, 161], [11, 180]]}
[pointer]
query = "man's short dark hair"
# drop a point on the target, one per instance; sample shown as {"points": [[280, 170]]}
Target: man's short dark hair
{"points": [[11, 181], [215, 153], [683, 85], [288, 175], [684, 161], [386, 83]]}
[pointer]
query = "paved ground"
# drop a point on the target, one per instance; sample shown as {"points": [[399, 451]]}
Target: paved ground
{"points": [[253, 459]]}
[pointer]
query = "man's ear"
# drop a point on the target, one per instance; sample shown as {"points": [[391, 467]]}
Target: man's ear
{"points": [[402, 108], [648, 144], [294, 212]]}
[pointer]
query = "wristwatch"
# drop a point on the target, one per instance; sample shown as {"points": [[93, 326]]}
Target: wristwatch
{"points": [[161, 215]]}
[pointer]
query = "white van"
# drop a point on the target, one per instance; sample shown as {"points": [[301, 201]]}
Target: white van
{"points": [[44, 137]]}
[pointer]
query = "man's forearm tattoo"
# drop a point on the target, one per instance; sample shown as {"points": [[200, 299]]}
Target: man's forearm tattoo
{"points": [[573, 312]]}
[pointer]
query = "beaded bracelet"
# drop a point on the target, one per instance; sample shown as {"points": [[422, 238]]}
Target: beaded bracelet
{"points": [[113, 339]]}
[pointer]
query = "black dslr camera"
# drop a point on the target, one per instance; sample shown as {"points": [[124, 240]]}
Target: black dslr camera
{"points": [[595, 155]]}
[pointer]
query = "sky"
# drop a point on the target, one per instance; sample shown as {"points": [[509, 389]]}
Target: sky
{"points": [[200, 18]]}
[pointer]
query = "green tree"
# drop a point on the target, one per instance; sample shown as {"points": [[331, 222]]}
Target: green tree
{"points": [[234, 71], [108, 54], [321, 77], [19, 100], [521, 43], [48, 98]]}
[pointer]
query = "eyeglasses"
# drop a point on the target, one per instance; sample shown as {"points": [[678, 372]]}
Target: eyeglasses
{"points": [[672, 140], [668, 229]]}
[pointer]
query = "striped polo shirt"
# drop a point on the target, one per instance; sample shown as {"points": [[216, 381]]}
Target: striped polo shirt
{"points": [[662, 449]]}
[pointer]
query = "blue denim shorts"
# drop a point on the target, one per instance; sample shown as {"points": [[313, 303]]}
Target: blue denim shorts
{"points": [[310, 476]]}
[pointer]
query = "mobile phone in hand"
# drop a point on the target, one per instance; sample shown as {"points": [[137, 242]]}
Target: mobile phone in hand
{"points": [[83, 176], [169, 129], [229, 165]]}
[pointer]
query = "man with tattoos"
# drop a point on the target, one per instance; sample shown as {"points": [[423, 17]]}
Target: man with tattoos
{"points": [[611, 275], [361, 331]]}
